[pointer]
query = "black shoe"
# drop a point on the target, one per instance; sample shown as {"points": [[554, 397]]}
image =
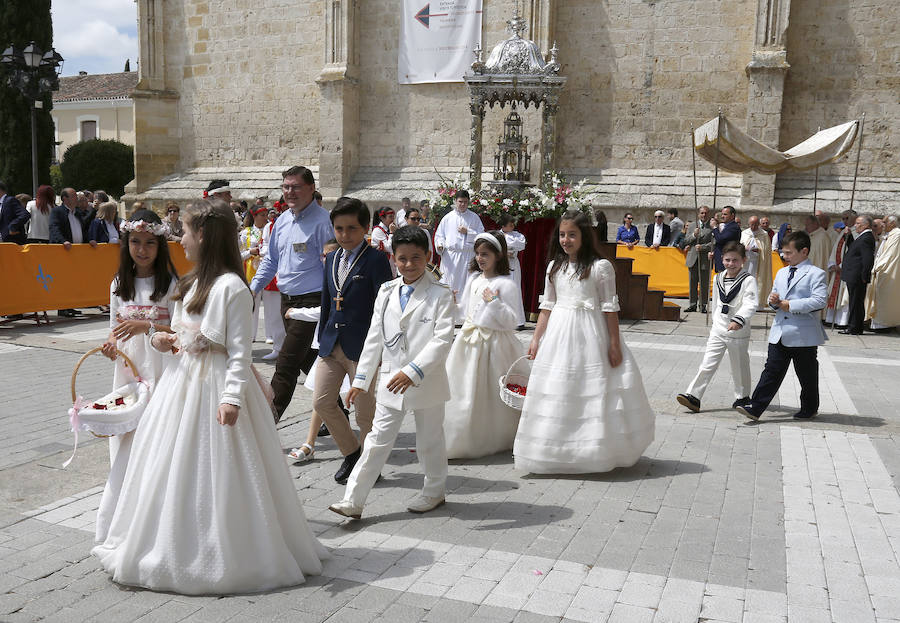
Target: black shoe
{"points": [[703, 309], [747, 412], [802, 415], [323, 431], [691, 402], [850, 332], [347, 466], [740, 401], [690, 308]]}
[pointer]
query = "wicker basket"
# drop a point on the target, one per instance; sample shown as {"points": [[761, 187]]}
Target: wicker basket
{"points": [[106, 423], [509, 397]]}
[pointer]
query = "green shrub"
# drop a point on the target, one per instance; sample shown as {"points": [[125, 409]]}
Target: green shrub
{"points": [[56, 178], [98, 163]]}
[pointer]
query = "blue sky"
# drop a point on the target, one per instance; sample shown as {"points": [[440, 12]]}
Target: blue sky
{"points": [[95, 36]]}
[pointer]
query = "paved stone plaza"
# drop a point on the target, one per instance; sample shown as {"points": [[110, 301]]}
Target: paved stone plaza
{"points": [[721, 520]]}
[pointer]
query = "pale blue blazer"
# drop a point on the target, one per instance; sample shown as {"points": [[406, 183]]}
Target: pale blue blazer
{"points": [[808, 295]]}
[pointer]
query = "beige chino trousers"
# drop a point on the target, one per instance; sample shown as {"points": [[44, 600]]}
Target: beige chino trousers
{"points": [[330, 372]]}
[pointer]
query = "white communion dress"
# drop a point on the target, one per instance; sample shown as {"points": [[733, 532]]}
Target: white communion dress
{"points": [[580, 414], [477, 423], [207, 508], [149, 364]]}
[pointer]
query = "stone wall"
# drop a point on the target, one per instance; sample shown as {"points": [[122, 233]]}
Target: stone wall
{"points": [[246, 72], [640, 72], [251, 86]]}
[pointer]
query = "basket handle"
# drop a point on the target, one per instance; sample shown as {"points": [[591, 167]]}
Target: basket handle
{"points": [[508, 372], [97, 349]]}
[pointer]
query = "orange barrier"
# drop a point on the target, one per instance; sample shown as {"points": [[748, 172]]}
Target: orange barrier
{"points": [[39, 277], [666, 267]]}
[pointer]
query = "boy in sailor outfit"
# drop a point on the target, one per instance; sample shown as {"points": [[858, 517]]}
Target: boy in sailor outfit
{"points": [[410, 336], [734, 301]]}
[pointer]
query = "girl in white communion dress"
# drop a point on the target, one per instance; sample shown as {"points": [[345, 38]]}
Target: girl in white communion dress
{"points": [[208, 505], [585, 409]]}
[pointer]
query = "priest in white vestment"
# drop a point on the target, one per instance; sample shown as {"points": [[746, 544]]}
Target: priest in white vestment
{"points": [[758, 245], [883, 295], [838, 306], [819, 243], [825, 223], [454, 240]]}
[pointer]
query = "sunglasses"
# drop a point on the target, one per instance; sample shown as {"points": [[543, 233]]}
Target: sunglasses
{"points": [[174, 211], [414, 218]]}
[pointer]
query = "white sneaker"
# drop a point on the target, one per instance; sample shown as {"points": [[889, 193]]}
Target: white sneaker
{"points": [[269, 340], [271, 356], [346, 509], [423, 504]]}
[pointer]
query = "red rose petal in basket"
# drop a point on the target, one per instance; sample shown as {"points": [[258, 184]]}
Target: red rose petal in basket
{"points": [[99, 406]]}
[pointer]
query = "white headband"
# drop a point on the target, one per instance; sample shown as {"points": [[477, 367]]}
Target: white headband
{"points": [[220, 189], [489, 238]]}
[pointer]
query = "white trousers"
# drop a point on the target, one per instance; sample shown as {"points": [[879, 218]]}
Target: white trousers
{"points": [[271, 300], [430, 449], [739, 356]]}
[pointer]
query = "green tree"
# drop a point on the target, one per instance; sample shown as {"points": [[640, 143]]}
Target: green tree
{"points": [[98, 164], [23, 21]]}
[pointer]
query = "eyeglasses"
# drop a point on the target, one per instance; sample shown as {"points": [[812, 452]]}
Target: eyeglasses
{"points": [[174, 211], [628, 218], [413, 218], [292, 189]]}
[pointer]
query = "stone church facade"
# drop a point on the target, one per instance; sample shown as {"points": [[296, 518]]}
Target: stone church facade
{"points": [[241, 89]]}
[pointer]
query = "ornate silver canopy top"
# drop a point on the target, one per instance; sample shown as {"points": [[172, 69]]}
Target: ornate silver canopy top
{"points": [[516, 55]]}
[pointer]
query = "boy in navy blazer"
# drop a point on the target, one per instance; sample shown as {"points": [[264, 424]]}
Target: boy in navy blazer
{"points": [[353, 275], [798, 295]]}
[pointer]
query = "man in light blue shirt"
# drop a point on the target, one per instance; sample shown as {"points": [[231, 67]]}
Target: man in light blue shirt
{"points": [[295, 256]]}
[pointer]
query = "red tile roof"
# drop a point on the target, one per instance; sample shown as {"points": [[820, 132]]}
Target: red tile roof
{"points": [[96, 87]]}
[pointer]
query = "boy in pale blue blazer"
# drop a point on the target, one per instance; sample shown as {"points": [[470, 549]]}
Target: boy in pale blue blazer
{"points": [[798, 295]]}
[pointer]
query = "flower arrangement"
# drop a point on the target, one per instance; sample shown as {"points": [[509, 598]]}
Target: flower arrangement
{"points": [[157, 229], [444, 198]]}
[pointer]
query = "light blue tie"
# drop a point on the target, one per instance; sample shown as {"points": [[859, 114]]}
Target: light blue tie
{"points": [[405, 292]]}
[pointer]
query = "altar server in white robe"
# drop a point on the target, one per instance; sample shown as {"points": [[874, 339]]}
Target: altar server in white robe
{"points": [[820, 243], [454, 240], [515, 244], [883, 297], [734, 301], [758, 246]]}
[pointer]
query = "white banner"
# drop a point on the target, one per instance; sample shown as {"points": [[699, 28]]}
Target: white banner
{"points": [[437, 38]]}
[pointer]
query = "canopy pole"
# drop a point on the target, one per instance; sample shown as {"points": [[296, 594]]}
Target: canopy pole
{"points": [[715, 194], [816, 184], [862, 125], [696, 208]]}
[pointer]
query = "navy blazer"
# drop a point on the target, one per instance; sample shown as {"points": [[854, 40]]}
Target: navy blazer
{"points": [[13, 217], [98, 232], [60, 230], [666, 235], [730, 233], [349, 325]]}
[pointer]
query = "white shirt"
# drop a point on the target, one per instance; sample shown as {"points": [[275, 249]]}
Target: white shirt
{"points": [[113, 233], [657, 233], [39, 225], [75, 225]]}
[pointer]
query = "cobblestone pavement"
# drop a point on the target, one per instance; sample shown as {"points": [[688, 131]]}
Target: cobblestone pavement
{"points": [[721, 520]]}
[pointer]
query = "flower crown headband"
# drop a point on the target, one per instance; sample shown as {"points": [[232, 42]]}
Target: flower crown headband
{"points": [[157, 229]]}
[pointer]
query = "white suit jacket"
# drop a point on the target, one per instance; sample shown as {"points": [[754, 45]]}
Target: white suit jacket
{"points": [[740, 309], [415, 341], [808, 295]]}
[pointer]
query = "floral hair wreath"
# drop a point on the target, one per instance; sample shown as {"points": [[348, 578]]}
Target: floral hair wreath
{"points": [[157, 229]]}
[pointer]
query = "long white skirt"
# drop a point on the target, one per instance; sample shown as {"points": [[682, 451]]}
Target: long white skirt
{"points": [[476, 421], [580, 414], [206, 508]]}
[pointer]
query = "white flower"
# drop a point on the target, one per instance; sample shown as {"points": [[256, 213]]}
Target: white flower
{"points": [[524, 202], [507, 202]]}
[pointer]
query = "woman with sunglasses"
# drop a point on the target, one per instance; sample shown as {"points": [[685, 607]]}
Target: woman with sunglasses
{"points": [[628, 233]]}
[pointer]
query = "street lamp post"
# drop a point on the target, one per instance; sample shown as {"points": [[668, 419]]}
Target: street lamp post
{"points": [[34, 73]]}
